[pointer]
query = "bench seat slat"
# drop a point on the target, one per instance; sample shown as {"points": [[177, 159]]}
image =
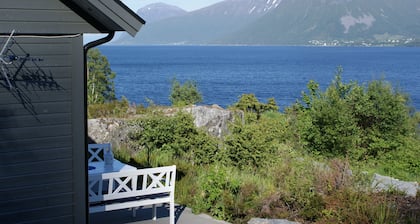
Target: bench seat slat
{"points": [[128, 204]]}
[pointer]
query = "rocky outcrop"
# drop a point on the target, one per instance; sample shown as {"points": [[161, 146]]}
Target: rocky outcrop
{"points": [[213, 119], [112, 130], [384, 183], [270, 221]]}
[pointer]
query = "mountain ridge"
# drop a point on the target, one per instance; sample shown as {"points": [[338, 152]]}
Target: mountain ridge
{"points": [[286, 22]]}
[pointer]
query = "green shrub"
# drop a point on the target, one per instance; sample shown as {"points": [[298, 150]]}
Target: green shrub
{"points": [[217, 190], [352, 120], [255, 144], [186, 94], [160, 137], [253, 108]]}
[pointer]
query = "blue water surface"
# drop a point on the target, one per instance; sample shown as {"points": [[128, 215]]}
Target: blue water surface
{"points": [[224, 73]]}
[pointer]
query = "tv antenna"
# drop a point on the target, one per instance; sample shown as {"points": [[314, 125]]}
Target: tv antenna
{"points": [[7, 60]]}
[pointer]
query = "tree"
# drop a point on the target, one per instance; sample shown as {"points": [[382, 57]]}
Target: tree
{"points": [[100, 78], [253, 107], [186, 94]]}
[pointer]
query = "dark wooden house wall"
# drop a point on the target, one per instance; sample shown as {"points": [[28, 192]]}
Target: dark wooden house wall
{"points": [[42, 126], [42, 133], [41, 16]]}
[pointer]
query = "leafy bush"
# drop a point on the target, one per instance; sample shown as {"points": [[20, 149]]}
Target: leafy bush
{"points": [[217, 188], [186, 94], [172, 136], [254, 145], [253, 108], [348, 119]]}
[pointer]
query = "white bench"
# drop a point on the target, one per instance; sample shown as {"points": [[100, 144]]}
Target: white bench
{"points": [[132, 189], [96, 152]]}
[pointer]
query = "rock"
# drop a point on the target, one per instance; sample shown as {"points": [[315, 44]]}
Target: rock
{"points": [[383, 183], [108, 130], [214, 118], [115, 130], [270, 221]]}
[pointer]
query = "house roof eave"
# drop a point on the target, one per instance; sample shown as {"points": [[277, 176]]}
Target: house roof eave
{"points": [[107, 15]]}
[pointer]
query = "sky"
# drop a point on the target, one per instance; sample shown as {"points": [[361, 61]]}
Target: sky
{"points": [[188, 5]]}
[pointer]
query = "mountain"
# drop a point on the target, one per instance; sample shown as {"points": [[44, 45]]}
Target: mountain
{"points": [[160, 11], [282, 22], [346, 21], [204, 25], [151, 13]]}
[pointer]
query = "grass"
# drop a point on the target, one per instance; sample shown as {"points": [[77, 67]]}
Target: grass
{"points": [[295, 187]]}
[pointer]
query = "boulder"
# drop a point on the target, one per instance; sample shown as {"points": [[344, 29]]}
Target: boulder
{"points": [[270, 221], [384, 183], [113, 130], [213, 118]]}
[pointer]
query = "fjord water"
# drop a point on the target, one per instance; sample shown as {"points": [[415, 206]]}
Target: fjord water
{"points": [[224, 73]]}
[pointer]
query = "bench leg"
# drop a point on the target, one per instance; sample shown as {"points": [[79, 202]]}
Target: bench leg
{"points": [[172, 213], [134, 212], [154, 212]]}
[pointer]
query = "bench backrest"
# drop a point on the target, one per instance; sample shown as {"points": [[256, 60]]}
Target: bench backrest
{"points": [[132, 183], [96, 152]]}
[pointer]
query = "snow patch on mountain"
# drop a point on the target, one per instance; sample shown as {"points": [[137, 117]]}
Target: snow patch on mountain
{"points": [[349, 21], [263, 8], [160, 11]]}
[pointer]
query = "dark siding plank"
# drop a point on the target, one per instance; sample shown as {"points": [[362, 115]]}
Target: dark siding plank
{"points": [[19, 194], [9, 182], [47, 200], [47, 60], [37, 214], [24, 87], [20, 157], [36, 97], [47, 28], [35, 120], [52, 48], [39, 16], [35, 132], [17, 110], [30, 144], [54, 220], [38, 4], [29, 168], [46, 40], [57, 72]]}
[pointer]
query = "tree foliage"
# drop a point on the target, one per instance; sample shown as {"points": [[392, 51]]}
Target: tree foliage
{"points": [[184, 94], [100, 80], [255, 144], [175, 135], [253, 107], [350, 119]]}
